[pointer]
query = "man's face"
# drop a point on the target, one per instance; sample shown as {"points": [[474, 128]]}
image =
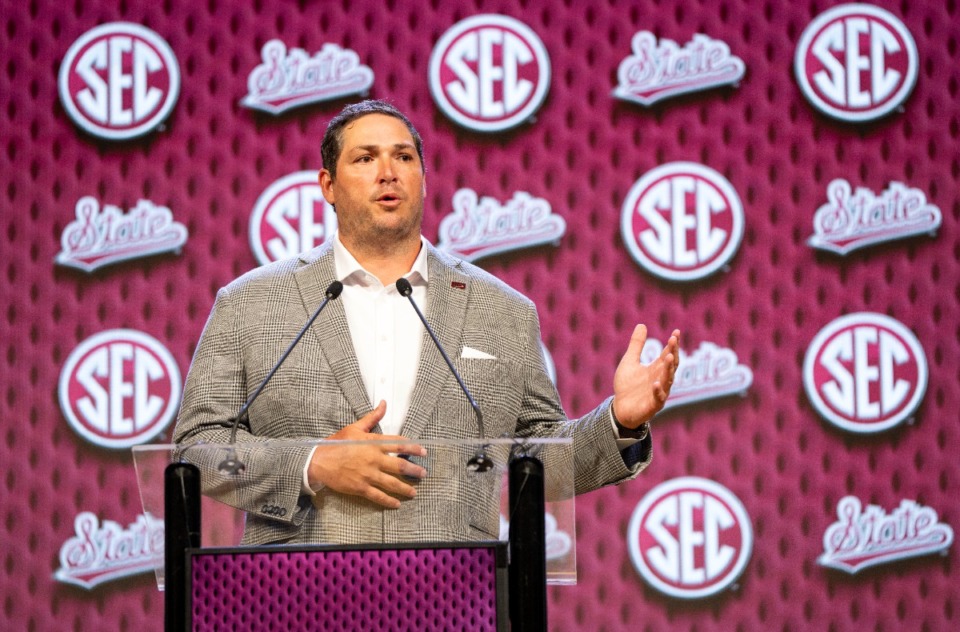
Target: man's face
{"points": [[379, 188]]}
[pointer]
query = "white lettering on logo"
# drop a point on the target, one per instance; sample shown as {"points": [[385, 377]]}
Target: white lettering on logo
{"points": [[709, 372], [658, 71], [489, 72], [290, 217], [96, 238], [682, 221], [288, 80], [119, 388], [864, 538], [482, 227], [119, 81], [865, 372], [99, 553], [690, 538], [856, 62], [856, 219]]}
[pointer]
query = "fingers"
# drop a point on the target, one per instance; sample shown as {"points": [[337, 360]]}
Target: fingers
{"points": [[369, 421], [383, 499], [385, 489], [398, 445], [400, 466], [637, 339]]}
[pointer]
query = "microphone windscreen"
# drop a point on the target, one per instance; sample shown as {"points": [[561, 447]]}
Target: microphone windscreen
{"points": [[333, 291], [404, 287]]}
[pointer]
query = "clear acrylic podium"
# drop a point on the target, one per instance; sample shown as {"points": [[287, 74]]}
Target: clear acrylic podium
{"points": [[460, 582]]}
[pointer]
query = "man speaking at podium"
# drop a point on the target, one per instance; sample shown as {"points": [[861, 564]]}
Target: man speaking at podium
{"points": [[368, 368]]}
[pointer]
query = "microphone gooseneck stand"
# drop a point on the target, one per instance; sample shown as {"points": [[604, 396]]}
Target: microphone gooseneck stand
{"points": [[232, 465], [528, 558], [480, 462]]}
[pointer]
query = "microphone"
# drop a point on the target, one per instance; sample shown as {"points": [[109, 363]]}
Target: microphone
{"points": [[480, 462], [232, 465]]}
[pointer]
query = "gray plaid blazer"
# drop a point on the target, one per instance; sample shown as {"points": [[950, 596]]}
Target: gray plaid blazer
{"points": [[319, 390]]}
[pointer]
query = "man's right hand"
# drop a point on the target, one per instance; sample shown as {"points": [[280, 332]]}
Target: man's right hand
{"points": [[369, 471]]}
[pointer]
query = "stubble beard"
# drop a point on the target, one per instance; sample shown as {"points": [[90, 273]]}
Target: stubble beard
{"points": [[384, 238]]}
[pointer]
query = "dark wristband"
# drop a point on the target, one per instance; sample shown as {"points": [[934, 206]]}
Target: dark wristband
{"points": [[639, 433]]}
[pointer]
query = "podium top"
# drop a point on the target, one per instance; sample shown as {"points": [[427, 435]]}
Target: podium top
{"points": [[253, 495]]}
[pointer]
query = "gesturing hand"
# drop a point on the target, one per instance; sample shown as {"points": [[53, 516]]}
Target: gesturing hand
{"points": [[640, 390], [368, 471]]}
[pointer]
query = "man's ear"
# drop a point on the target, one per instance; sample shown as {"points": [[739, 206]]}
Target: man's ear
{"points": [[326, 186]]}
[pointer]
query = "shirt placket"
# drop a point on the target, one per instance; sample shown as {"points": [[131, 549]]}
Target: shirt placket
{"points": [[384, 351]]}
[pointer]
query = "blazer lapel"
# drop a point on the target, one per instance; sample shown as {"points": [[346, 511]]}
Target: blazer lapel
{"points": [[331, 327], [447, 294]]}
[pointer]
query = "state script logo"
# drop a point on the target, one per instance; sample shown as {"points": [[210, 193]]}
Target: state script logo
{"points": [[481, 227], [99, 553], [864, 538], [290, 217], [865, 373], [119, 81], [97, 239], [690, 538], [659, 71], [489, 73], [119, 388], [857, 219], [709, 372], [856, 62], [682, 221], [286, 80]]}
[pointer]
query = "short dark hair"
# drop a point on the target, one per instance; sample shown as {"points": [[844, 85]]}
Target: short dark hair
{"points": [[332, 144]]}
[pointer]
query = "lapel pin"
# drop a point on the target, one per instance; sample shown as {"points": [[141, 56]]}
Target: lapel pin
{"points": [[458, 285]]}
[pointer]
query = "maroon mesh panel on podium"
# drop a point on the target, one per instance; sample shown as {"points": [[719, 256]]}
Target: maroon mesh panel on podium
{"points": [[442, 587]]}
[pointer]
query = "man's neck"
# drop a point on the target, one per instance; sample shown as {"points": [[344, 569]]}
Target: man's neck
{"points": [[386, 263]]}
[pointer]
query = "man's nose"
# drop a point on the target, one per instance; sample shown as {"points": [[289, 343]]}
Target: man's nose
{"points": [[386, 170]]}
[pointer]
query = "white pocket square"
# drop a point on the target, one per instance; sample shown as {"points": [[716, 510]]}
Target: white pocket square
{"points": [[470, 352]]}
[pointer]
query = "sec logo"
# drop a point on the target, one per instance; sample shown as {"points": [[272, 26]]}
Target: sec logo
{"points": [[119, 388], [682, 221], [119, 81], [856, 62], [865, 373], [290, 217], [690, 538], [489, 73]]}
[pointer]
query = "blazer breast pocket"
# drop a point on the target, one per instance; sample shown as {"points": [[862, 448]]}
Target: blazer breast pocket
{"points": [[496, 386]]}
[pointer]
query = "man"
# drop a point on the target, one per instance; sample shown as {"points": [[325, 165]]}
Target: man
{"points": [[367, 369]]}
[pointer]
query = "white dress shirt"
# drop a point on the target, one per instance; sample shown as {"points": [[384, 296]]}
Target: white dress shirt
{"points": [[386, 334], [385, 330]]}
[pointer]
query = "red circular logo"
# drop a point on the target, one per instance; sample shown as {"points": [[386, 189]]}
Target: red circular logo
{"points": [[865, 372], [119, 81], [690, 538], [682, 221], [489, 73], [290, 217], [856, 62], [119, 388]]}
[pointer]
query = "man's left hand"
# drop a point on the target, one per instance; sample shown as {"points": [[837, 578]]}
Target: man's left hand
{"points": [[641, 390]]}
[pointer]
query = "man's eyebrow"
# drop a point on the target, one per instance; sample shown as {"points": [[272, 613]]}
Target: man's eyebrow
{"points": [[396, 147]]}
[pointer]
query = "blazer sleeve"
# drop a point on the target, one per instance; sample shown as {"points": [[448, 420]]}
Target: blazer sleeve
{"points": [[216, 388], [597, 458]]}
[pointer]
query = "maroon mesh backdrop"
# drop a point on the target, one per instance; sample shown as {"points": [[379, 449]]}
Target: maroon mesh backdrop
{"points": [[582, 153]]}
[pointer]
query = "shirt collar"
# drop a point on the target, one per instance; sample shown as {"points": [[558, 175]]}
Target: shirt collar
{"points": [[349, 271]]}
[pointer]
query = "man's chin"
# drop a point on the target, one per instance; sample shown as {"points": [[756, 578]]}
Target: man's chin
{"points": [[382, 234]]}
